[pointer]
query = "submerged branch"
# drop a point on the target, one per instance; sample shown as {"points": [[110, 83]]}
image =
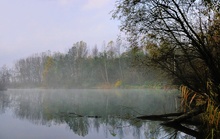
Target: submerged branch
{"points": [[174, 120], [184, 129], [79, 115], [162, 117], [184, 117]]}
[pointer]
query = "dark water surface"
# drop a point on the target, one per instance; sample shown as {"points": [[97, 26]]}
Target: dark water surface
{"points": [[84, 114]]}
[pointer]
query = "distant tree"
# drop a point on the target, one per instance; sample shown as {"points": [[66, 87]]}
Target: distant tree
{"points": [[48, 71], [4, 78], [77, 55], [95, 51], [118, 50], [111, 50], [104, 59]]}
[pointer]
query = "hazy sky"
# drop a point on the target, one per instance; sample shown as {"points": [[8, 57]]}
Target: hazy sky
{"points": [[33, 26]]}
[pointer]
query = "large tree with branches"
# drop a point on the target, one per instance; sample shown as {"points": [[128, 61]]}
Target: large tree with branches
{"points": [[182, 37]]}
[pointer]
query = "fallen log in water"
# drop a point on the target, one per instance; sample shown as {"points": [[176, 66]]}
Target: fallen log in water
{"points": [[175, 120], [184, 117], [185, 130], [161, 117]]}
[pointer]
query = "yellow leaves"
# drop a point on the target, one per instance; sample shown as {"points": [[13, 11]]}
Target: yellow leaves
{"points": [[47, 66], [184, 98], [152, 49], [118, 83]]}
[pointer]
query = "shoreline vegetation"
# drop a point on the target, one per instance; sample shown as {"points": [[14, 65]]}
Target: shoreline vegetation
{"points": [[107, 86], [182, 38]]}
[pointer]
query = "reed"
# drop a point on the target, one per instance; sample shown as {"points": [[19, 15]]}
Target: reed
{"points": [[211, 114], [189, 98]]}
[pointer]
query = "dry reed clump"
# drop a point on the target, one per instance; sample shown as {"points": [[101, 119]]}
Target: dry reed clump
{"points": [[211, 115], [190, 99]]}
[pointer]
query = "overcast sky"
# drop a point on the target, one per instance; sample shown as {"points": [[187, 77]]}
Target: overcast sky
{"points": [[34, 26]]}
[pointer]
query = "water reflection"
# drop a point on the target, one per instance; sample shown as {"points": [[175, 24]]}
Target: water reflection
{"points": [[4, 101], [115, 109]]}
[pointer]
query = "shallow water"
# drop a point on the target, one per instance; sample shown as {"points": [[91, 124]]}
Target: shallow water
{"points": [[87, 114]]}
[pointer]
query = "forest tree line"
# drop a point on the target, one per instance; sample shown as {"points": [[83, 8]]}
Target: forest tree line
{"points": [[79, 68]]}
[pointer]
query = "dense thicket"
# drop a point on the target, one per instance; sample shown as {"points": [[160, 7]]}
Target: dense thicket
{"points": [[79, 69]]}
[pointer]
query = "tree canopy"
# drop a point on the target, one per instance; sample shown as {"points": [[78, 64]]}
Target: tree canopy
{"points": [[180, 36]]}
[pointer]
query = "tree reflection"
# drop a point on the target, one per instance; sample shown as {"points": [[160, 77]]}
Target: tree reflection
{"points": [[48, 107], [79, 125], [4, 101]]}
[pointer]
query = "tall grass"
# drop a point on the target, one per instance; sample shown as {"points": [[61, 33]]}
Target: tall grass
{"points": [[190, 99], [211, 115]]}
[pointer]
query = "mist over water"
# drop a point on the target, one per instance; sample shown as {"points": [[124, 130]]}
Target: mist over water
{"points": [[39, 113], [84, 95]]}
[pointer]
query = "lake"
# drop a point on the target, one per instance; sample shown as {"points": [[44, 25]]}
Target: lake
{"points": [[85, 113]]}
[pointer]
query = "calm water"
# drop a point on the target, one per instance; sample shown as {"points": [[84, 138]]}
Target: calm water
{"points": [[53, 114]]}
